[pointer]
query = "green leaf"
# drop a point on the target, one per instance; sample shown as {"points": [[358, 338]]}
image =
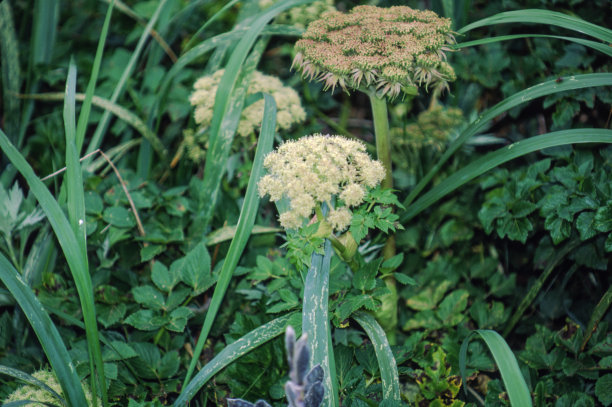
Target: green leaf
{"points": [[118, 351], [149, 297], [404, 279], [428, 298], [178, 319], [169, 364], [195, 269], [392, 263], [364, 278], [517, 389], [163, 278], [150, 251], [452, 306], [145, 320], [234, 351], [119, 216], [603, 218], [585, 225], [109, 315], [603, 389], [177, 297]]}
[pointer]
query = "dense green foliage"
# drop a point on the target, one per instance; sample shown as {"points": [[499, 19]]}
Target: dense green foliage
{"points": [[137, 256]]}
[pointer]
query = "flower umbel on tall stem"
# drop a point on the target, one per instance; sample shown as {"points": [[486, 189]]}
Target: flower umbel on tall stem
{"points": [[313, 170]]}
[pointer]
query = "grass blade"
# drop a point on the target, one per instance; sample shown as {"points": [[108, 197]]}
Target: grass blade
{"points": [[535, 288], [598, 313], [315, 321], [91, 86], [513, 379], [119, 111], [10, 70], [546, 17], [243, 230], [76, 216], [208, 22], [384, 355], [23, 376], [604, 48], [505, 154], [234, 351], [534, 92], [96, 139], [228, 105], [47, 333]]}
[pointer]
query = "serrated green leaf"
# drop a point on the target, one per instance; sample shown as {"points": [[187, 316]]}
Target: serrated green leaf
{"points": [[149, 297], [195, 269], [428, 298], [178, 319], [145, 320], [515, 229], [452, 306], [392, 263], [150, 251], [177, 297], [109, 315], [364, 278], [585, 225], [603, 218], [521, 209], [404, 279], [163, 278], [559, 229], [169, 364], [118, 351]]}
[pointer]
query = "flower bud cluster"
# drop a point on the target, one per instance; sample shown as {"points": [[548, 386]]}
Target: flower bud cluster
{"points": [[392, 49], [38, 395], [288, 105], [313, 169], [432, 129]]}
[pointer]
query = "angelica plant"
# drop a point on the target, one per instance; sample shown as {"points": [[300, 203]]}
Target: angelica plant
{"points": [[385, 53]]}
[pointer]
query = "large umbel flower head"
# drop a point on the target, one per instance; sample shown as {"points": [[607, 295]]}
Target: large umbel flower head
{"points": [[313, 169], [390, 49]]}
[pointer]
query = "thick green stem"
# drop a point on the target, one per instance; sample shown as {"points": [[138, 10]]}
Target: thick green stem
{"points": [[387, 315]]}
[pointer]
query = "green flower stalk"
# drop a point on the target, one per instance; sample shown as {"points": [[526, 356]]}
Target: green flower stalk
{"points": [[313, 170], [41, 397], [289, 110], [383, 52]]}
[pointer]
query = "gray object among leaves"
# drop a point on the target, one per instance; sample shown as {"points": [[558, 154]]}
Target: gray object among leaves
{"points": [[305, 388]]}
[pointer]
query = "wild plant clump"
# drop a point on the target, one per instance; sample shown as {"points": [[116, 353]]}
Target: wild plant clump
{"points": [[391, 49], [312, 170], [41, 397], [289, 109]]}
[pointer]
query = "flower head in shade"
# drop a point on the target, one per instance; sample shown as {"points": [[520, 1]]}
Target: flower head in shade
{"points": [[41, 397], [393, 50], [313, 169], [289, 109]]}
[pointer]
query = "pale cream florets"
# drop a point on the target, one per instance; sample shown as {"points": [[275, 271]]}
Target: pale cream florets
{"points": [[39, 396], [390, 49], [313, 169], [288, 104]]}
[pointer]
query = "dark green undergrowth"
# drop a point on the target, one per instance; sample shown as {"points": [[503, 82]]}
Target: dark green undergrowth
{"points": [[137, 257]]}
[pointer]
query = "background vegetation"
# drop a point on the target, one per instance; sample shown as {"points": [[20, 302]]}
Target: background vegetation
{"points": [[137, 257]]}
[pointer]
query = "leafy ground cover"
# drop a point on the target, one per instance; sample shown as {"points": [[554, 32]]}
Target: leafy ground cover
{"points": [[154, 251]]}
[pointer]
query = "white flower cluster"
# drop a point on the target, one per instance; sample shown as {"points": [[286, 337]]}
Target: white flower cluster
{"points": [[311, 170]]}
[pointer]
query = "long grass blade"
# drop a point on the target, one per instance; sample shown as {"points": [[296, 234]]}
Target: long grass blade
{"points": [[513, 379], [98, 135], [65, 236], [232, 352], [46, 332], [91, 86], [23, 376], [598, 313], [601, 47], [243, 230], [505, 154], [535, 288], [229, 101], [315, 321], [208, 22], [76, 216], [545, 17], [119, 111], [483, 121], [384, 355], [10, 70]]}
